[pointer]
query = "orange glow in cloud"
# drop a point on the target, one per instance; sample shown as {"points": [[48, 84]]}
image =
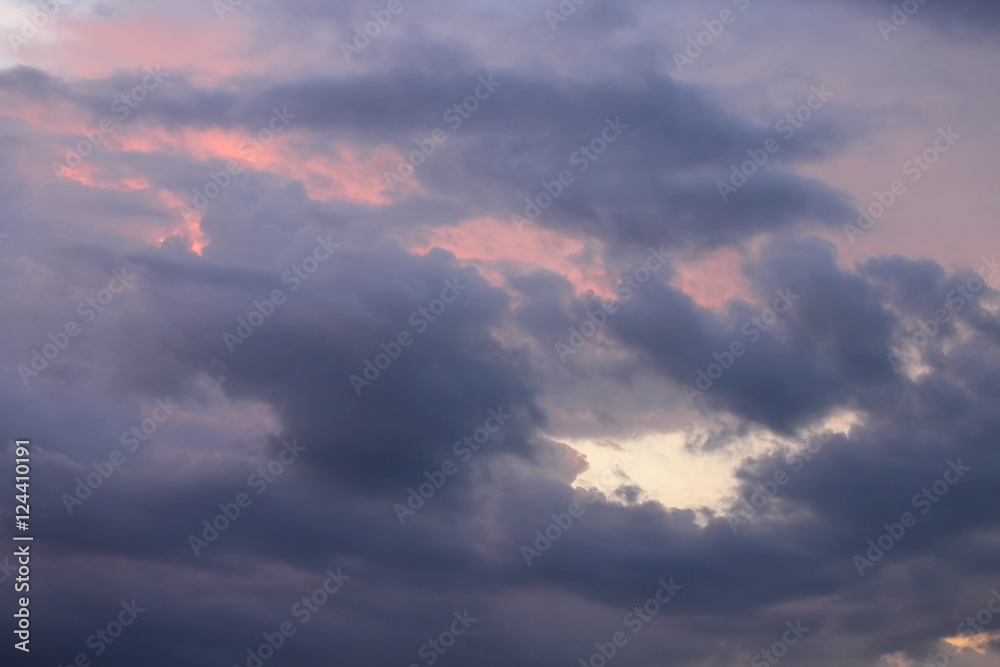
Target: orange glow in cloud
{"points": [[978, 643], [345, 174], [203, 145], [85, 174], [55, 117], [348, 176], [352, 178], [495, 246], [93, 177], [188, 228]]}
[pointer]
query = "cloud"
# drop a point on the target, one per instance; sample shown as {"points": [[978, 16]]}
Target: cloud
{"points": [[380, 328]]}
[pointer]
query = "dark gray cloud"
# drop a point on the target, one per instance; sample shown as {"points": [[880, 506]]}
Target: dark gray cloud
{"points": [[960, 19], [363, 453]]}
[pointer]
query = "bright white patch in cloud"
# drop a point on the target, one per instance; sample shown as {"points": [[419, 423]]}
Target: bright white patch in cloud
{"points": [[662, 468], [665, 471]]}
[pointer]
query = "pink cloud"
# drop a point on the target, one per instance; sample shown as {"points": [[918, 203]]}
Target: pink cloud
{"points": [[496, 247], [713, 279]]}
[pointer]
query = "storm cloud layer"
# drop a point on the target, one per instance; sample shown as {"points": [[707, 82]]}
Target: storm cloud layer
{"points": [[529, 333]]}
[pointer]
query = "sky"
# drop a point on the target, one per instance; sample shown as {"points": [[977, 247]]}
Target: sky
{"points": [[427, 332]]}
